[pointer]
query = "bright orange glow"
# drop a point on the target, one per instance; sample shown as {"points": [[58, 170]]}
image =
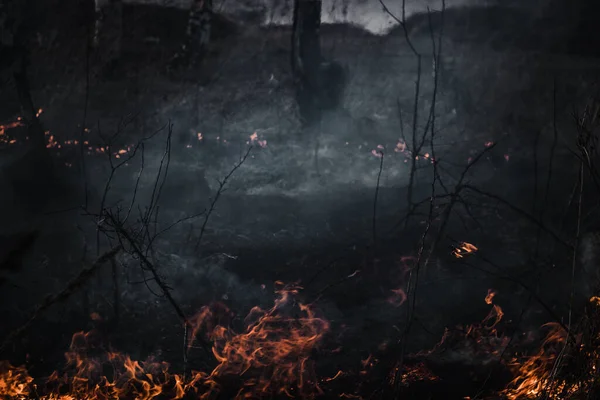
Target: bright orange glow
{"points": [[463, 249], [272, 354]]}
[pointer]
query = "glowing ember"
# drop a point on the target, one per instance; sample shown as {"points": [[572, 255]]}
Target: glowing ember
{"points": [[397, 298], [377, 153], [368, 364], [417, 373], [254, 139], [463, 249], [400, 146], [274, 350], [11, 125], [52, 142]]}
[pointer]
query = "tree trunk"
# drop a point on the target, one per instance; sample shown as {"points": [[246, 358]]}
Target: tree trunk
{"points": [[199, 23], [198, 34], [6, 25], [306, 59], [15, 32]]}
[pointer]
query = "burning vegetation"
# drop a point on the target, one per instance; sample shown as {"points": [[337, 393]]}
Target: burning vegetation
{"points": [[272, 356], [388, 330]]}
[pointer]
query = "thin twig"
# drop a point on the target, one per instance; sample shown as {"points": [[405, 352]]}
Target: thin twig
{"points": [[220, 190], [150, 267], [375, 199]]}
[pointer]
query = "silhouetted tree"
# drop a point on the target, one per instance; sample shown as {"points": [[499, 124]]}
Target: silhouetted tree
{"points": [[15, 35], [319, 83], [108, 29], [306, 58]]}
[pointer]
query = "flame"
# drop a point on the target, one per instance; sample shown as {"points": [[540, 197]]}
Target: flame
{"points": [[534, 373], [565, 365], [274, 343], [15, 382], [417, 373], [397, 298], [464, 248], [480, 340], [272, 355]]}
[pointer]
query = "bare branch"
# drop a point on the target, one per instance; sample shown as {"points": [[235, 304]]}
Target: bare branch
{"points": [[218, 194]]}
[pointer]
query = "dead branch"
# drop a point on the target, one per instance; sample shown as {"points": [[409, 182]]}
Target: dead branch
{"points": [[166, 290], [519, 211], [375, 199], [220, 190]]}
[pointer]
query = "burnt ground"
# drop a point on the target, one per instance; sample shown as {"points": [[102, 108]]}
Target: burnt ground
{"points": [[300, 208]]}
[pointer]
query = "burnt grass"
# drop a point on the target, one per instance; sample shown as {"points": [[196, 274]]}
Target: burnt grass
{"points": [[283, 218]]}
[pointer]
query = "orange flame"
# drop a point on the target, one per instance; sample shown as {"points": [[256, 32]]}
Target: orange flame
{"points": [[15, 382], [464, 248], [534, 374], [273, 354]]}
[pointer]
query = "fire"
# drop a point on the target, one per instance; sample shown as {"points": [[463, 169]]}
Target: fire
{"points": [[417, 373], [274, 350], [14, 381], [52, 141], [272, 354], [564, 366], [10, 125], [464, 248], [490, 296], [534, 375], [480, 341]]}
